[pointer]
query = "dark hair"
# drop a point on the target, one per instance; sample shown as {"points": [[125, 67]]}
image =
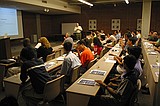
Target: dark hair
{"points": [[135, 51], [81, 42], [133, 40], [97, 42], [103, 37], [28, 53], [128, 34], [26, 42], [68, 46], [130, 61]]}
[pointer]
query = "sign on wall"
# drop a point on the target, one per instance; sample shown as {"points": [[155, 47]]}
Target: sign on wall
{"points": [[115, 24], [139, 24], [92, 24]]}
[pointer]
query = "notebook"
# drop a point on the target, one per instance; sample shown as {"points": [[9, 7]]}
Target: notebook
{"points": [[89, 82], [97, 72], [48, 65]]}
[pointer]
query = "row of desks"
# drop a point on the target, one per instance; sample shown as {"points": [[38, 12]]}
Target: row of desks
{"points": [[150, 58], [13, 83], [79, 95]]}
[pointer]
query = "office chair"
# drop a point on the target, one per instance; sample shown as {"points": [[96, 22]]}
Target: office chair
{"points": [[134, 97], [91, 63], [51, 90], [58, 53], [75, 73], [50, 57]]}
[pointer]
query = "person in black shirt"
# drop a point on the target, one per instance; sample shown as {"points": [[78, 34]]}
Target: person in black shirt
{"points": [[45, 48], [122, 95], [38, 76]]}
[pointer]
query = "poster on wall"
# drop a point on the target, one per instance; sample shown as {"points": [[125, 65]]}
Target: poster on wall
{"points": [[139, 24], [115, 24], [92, 24]]}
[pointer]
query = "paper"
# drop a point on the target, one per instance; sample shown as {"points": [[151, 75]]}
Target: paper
{"points": [[110, 59], [97, 72], [155, 65], [152, 53], [61, 58], [157, 74], [89, 82], [48, 65], [38, 45]]}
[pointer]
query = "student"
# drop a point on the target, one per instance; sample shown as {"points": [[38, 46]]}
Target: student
{"points": [[70, 61], [97, 46], [67, 38], [26, 43], [122, 95], [135, 51], [84, 54], [35, 69], [45, 48]]}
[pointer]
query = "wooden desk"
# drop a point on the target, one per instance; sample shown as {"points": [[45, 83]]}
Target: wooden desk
{"points": [[13, 83], [3, 68], [152, 79], [79, 95]]}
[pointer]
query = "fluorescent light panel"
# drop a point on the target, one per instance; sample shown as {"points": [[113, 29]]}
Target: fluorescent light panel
{"points": [[127, 2], [85, 2]]}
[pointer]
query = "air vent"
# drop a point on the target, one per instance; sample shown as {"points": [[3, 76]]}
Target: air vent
{"points": [[44, 1]]}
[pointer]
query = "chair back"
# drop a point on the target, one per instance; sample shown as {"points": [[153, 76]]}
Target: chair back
{"points": [[91, 63], [75, 73], [52, 89], [58, 53], [103, 52], [50, 57], [134, 97]]}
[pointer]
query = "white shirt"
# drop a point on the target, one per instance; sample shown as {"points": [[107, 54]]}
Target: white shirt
{"points": [[70, 61], [78, 29], [138, 35]]}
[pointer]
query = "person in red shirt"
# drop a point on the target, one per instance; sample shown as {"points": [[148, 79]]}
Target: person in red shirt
{"points": [[84, 54]]}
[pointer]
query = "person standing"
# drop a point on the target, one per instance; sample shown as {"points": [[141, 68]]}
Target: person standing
{"points": [[77, 31]]}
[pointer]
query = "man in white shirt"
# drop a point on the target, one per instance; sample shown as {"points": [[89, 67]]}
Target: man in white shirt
{"points": [[77, 31], [70, 61]]}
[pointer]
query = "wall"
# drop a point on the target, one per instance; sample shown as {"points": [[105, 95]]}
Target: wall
{"points": [[51, 24], [128, 14], [29, 24]]}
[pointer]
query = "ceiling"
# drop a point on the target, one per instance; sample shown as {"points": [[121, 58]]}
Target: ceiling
{"points": [[63, 6], [100, 1]]}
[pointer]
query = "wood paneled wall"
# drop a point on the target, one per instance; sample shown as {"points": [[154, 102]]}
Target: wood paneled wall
{"points": [[128, 14], [29, 24]]}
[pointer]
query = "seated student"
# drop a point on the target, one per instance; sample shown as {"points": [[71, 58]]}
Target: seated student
{"points": [[70, 61], [84, 54], [88, 40], [156, 43], [68, 38], [97, 46], [153, 37], [26, 43], [124, 44], [35, 69], [122, 95], [135, 51], [45, 49]]}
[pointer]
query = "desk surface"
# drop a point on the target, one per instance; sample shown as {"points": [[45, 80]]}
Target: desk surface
{"points": [[16, 78], [151, 58], [100, 65]]}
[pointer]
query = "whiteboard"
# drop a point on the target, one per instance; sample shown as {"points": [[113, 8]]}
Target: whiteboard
{"points": [[68, 27]]}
